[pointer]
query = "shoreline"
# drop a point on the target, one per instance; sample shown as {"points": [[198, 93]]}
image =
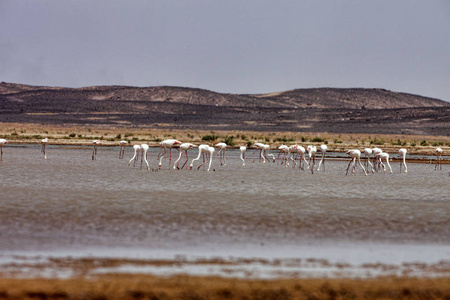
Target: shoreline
{"points": [[17, 133]]}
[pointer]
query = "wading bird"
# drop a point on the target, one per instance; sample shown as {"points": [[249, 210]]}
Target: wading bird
{"points": [[204, 150], [2, 143], [163, 146], [438, 165], [312, 150], [221, 153], [384, 156], [284, 150], [376, 159], [137, 149], [243, 149], [122, 149], [355, 154], [183, 147], [322, 149], [368, 153], [94, 151], [144, 148], [44, 143], [402, 153]]}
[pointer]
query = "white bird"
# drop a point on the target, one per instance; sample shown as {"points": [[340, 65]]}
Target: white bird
{"points": [[301, 150], [402, 153], [205, 150], [368, 153], [285, 151], [94, 151], [44, 143], [384, 156], [312, 150], [135, 157], [355, 154], [183, 147], [243, 149], [223, 147], [322, 149], [438, 165], [2, 143], [376, 159], [122, 149], [144, 148], [163, 146]]}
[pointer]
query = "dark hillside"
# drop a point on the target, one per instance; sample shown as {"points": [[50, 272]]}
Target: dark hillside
{"points": [[301, 110]]}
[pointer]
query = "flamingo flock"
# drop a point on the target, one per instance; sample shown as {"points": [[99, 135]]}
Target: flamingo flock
{"points": [[375, 159]]}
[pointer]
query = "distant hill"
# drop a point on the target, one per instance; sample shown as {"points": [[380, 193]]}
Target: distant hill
{"points": [[353, 110]]}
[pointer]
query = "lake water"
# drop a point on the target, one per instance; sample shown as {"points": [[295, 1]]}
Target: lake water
{"points": [[71, 205]]}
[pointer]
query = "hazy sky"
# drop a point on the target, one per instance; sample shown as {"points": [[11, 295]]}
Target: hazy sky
{"points": [[234, 46]]}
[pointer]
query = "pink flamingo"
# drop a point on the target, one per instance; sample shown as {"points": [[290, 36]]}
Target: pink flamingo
{"points": [[312, 150], [266, 153], [322, 149], [203, 149], [2, 143], [301, 150], [285, 151], [183, 147], [260, 147], [44, 143], [376, 159], [94, 152], [243, 149], [402, 153], [222, 150], [355, 154], [438, 165], [163, 145], [135, 157], [144, 148], [368, 154], [293, 152], [122, 149], [384, 156]]}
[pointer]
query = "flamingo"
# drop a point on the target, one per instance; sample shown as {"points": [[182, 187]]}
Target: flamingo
{"points": [[135, 157], [312, 150], [266, 154], [384, 156], [183, 147], [285, 151], [2, 143], [164, 144], [94, 151], [438, 165], [368, 153], [243, 149], [402, 153], [355, 154], [44, 143], [376, 160], [323, 149], [302, 151], [203, 149], [222, 150], [122, 149], [144, 148], [293, 151], [260, 147]]}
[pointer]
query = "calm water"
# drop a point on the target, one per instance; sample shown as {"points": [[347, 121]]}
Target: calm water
{"points": [[71, 204]]}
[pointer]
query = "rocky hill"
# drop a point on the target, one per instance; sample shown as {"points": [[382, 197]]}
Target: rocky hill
{"points": [[354, 110]]}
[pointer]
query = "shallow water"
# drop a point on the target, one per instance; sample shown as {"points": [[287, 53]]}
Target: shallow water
{"points": [[69, 204]]}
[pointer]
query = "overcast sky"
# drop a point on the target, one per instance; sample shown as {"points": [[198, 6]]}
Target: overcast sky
{"points": [[231, 46]]}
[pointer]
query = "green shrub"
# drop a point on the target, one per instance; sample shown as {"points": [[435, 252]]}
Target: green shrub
{"points": [[209, 137]]}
